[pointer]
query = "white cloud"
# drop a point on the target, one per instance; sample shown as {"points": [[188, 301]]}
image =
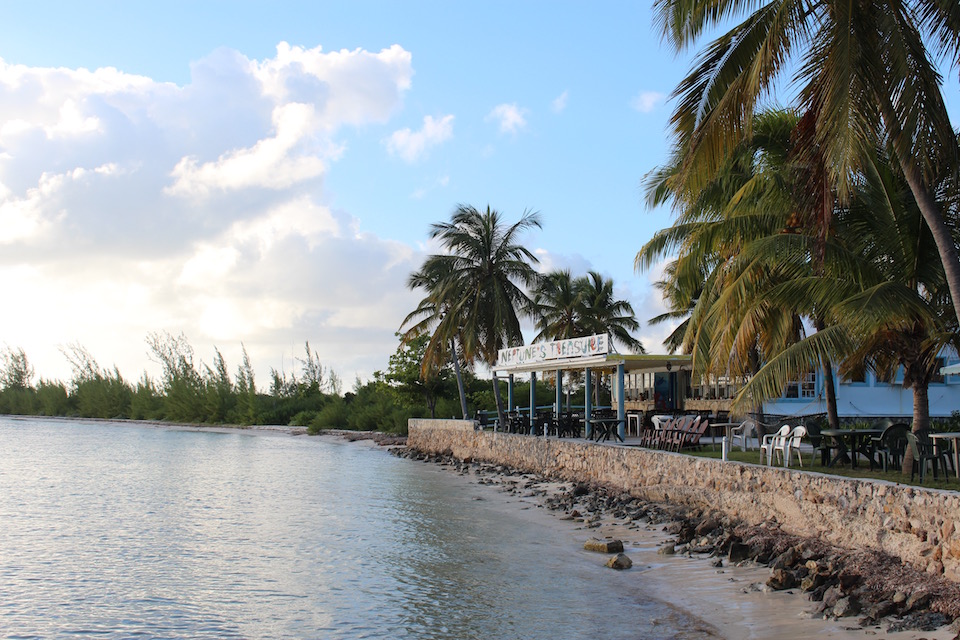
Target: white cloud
{"points": [[647, 101], [560, 102], [411, 145], [129, 206], [510, 117], [269, 163]]}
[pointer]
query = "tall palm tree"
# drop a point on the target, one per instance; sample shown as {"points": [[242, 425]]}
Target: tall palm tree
{"points": [[558, 305], [604, 313], [426, 318], [866, 74], [482, 279]]}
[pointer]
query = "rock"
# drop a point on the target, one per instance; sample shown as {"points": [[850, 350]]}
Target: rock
{"points": [[708, 525], [603, 546], [882, 609], [718, 562], [785, 560], [812, 581], [620, 561], [925, 621], [916, 601], [739, 552], [667, 550], [830, 597], [848, 580], [846, 607], [782, 579]]}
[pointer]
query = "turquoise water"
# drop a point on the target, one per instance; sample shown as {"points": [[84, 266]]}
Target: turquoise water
{"points": [[122, 531]]}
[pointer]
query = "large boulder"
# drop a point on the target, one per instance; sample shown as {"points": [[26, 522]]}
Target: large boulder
{"points": [[603, 546], [620, 561]]}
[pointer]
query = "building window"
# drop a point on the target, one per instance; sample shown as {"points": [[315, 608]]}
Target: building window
{"points": [[806, 387]]}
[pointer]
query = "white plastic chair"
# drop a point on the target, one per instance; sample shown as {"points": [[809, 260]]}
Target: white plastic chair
{"points": [[743, 434], [790, 443], [770, 442]]}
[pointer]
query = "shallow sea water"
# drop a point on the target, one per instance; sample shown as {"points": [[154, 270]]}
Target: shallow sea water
{"points": [[124, 531]]}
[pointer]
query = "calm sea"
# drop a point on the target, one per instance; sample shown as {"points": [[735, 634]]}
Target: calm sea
{"points": [[122, 531]]}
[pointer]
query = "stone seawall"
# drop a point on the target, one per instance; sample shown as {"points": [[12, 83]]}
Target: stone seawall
{"points": [[920, 526]]}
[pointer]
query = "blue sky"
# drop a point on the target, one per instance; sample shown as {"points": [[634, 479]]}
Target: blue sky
{"points": [[266, 173]]}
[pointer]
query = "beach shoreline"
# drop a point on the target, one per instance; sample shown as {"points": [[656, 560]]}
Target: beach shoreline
{"points": [[734, 597]]}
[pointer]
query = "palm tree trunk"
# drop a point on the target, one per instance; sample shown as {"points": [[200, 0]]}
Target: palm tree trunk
{"points": [[921, 418], [830, 391], [456, 369], [929, 208]]}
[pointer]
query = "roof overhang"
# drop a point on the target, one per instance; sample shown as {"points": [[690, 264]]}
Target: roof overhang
{"points": [[631, 363]]}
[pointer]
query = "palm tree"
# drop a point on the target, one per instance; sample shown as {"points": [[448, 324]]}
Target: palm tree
{"points": [[866, 76], [882, 290], [750, 198], [479, 293], [426, 318], [604, 313], [558, 304], [566, 307]]}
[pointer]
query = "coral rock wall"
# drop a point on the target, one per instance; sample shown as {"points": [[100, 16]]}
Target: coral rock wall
{"points": [[920, 526]]}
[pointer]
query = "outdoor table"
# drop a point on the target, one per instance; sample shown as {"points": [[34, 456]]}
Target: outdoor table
{"points": [[857, 439], [604, 427], [954, 437]]}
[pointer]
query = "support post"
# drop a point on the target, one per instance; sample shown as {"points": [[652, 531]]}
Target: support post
{"points": [[533, 403], [559, 404], [621, 406], [587, 403], [510, 405]]}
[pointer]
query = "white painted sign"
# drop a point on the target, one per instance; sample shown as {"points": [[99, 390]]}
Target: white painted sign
{"points": [[545, 351]]}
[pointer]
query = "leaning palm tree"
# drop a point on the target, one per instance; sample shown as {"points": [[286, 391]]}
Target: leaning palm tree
{"points": [[484, 275], [866, 74], [426, 318]]}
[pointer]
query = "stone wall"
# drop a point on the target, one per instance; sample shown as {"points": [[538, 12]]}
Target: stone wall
{"points": [[920, 526]]}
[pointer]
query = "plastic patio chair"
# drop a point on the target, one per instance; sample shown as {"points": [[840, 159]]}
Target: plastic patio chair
{"points": [[787, 445], [891, 445], [923, 452], [743, 433], [770, 441]]}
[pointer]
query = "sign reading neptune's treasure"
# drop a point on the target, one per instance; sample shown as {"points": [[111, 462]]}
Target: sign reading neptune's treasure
{"points": [[544, 351]]}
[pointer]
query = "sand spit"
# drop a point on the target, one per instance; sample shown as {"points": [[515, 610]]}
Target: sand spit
{"points": [[750, 581]]}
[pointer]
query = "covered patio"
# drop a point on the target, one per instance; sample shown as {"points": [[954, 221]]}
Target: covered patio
{"points": [[661, 374]]}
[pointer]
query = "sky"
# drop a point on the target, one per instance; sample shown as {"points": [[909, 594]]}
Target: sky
{"points": [[263, 174]]}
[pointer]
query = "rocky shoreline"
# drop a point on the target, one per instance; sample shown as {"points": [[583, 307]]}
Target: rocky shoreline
{"points": [[870, 589]]}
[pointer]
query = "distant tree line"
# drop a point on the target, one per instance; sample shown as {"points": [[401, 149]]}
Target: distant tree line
{"points": [[188, 392]]}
